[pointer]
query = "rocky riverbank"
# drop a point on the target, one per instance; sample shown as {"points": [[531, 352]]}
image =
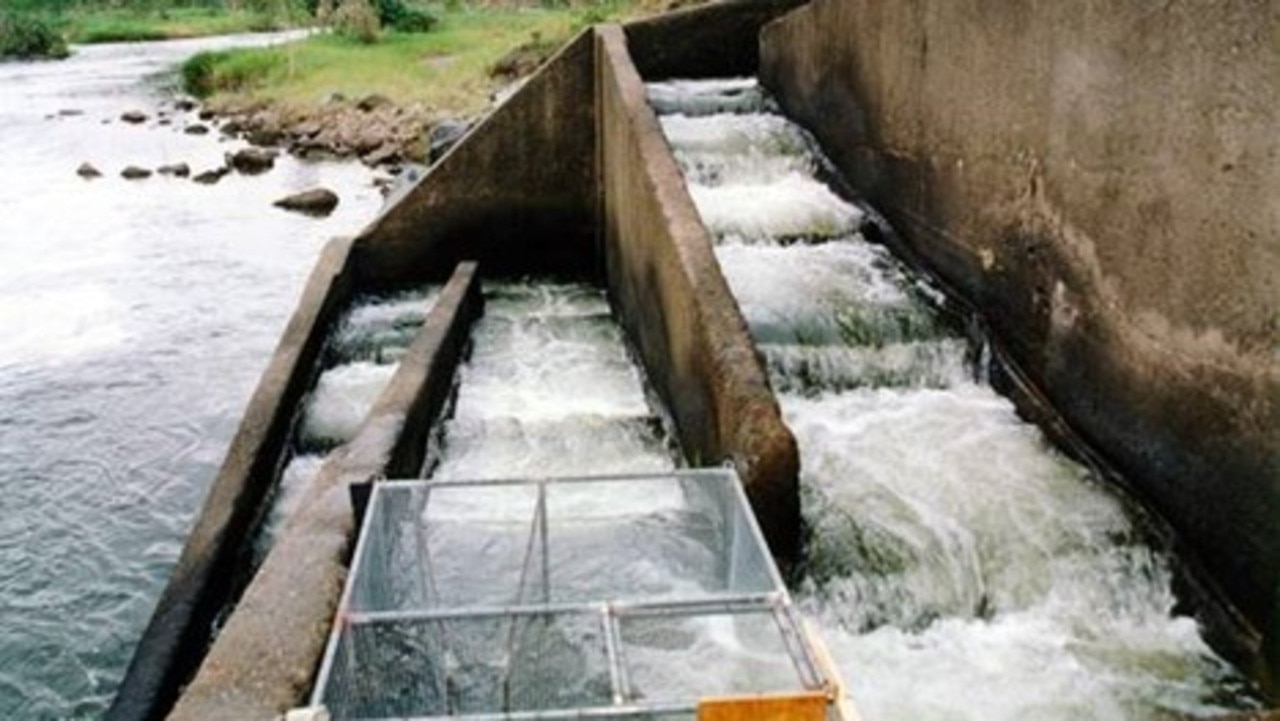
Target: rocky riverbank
{"points": [[373, 129]]}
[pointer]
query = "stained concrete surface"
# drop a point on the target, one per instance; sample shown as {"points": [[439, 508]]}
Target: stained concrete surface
{"points": [[676, 306]]}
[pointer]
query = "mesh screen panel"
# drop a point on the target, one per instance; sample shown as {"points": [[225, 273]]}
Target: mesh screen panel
{"points": [[620, 597]]}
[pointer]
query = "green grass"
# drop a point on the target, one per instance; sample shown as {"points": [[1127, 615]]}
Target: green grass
{"points": [[447, 68], [135, 24]]}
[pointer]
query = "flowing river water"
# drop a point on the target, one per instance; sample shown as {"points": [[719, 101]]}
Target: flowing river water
{"points": [[135, 320], [960, 567]]}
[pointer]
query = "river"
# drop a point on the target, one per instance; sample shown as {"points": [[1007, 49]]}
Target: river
{"points": [[135, 319]]}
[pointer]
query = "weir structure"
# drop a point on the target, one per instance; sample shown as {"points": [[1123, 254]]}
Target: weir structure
{"points": [[571, 178]]}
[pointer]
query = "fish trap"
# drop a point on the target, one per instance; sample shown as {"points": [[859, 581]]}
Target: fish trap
{"points": [[614, 598]]}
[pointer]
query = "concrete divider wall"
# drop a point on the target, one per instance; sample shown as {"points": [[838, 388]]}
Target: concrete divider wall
{"points": [[667, 287], [178, 633], [264, 659], [516, 194], [1101, 179]]}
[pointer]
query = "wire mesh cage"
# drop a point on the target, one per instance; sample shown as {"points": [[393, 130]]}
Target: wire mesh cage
{"points": [[617, 597]]}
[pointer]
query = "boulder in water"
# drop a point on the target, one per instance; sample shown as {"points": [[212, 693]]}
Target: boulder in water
{"points": [[134, 116], [133, 172], [209, 177], [316, 202], [196, 129], [178, 170], [252, 161], [88, 172]]}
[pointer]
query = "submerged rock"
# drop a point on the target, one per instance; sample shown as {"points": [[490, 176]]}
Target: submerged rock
{"points": [[263, 136], [382, 155], [317, 202], [196, 129], [178, 170], [252, 161], [87, 171], [133, 172], [185, 105], [209, 177], [134, 116]]}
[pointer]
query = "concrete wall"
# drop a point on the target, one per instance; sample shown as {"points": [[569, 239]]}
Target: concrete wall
{"points": [[672, 299], [515, 194], [178, 632], [264, 659], [1102, 180]]}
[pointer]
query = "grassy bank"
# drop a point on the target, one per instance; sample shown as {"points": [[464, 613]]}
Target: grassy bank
{"points": [[447, 69], [43, 28], [109, 25]]}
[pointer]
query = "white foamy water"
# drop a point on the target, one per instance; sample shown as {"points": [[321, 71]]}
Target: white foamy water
{"points": [[575, 445], [709, 97], [381, 330], [758, 133], [793, 206], [366, 346], [845, 292], [960, 568], [549, 370], [341, 399], [549, 390], [810, 369]]}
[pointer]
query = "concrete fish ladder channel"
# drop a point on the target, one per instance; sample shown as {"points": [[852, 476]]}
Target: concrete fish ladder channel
{"points": [[546, 186], [953, 549]]}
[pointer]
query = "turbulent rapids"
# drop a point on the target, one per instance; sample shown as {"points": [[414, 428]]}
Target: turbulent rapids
{"points": [[960, 566]]}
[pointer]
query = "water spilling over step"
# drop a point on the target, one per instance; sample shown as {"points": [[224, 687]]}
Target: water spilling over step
{"points": [[549, 390], [555, 561], [961, 568], [361, 356]]}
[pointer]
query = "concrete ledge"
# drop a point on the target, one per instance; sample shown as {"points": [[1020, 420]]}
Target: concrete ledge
{"points": [[515, 194], [264, 659], [179, 630], [671, 297], [708, 41]]}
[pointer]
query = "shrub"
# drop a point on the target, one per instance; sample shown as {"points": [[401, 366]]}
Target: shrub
{"points": [[357, 19], [404, 18], [30, 36], [206, 73], [395, 14]]}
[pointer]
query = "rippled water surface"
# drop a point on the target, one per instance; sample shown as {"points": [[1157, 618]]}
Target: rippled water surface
{"points": [[135, 318]]}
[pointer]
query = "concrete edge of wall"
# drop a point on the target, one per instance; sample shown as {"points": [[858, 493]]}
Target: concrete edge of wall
{"points": [[263, 661], [178, 632], [513, 194], [672, 299], [712, 40]]}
